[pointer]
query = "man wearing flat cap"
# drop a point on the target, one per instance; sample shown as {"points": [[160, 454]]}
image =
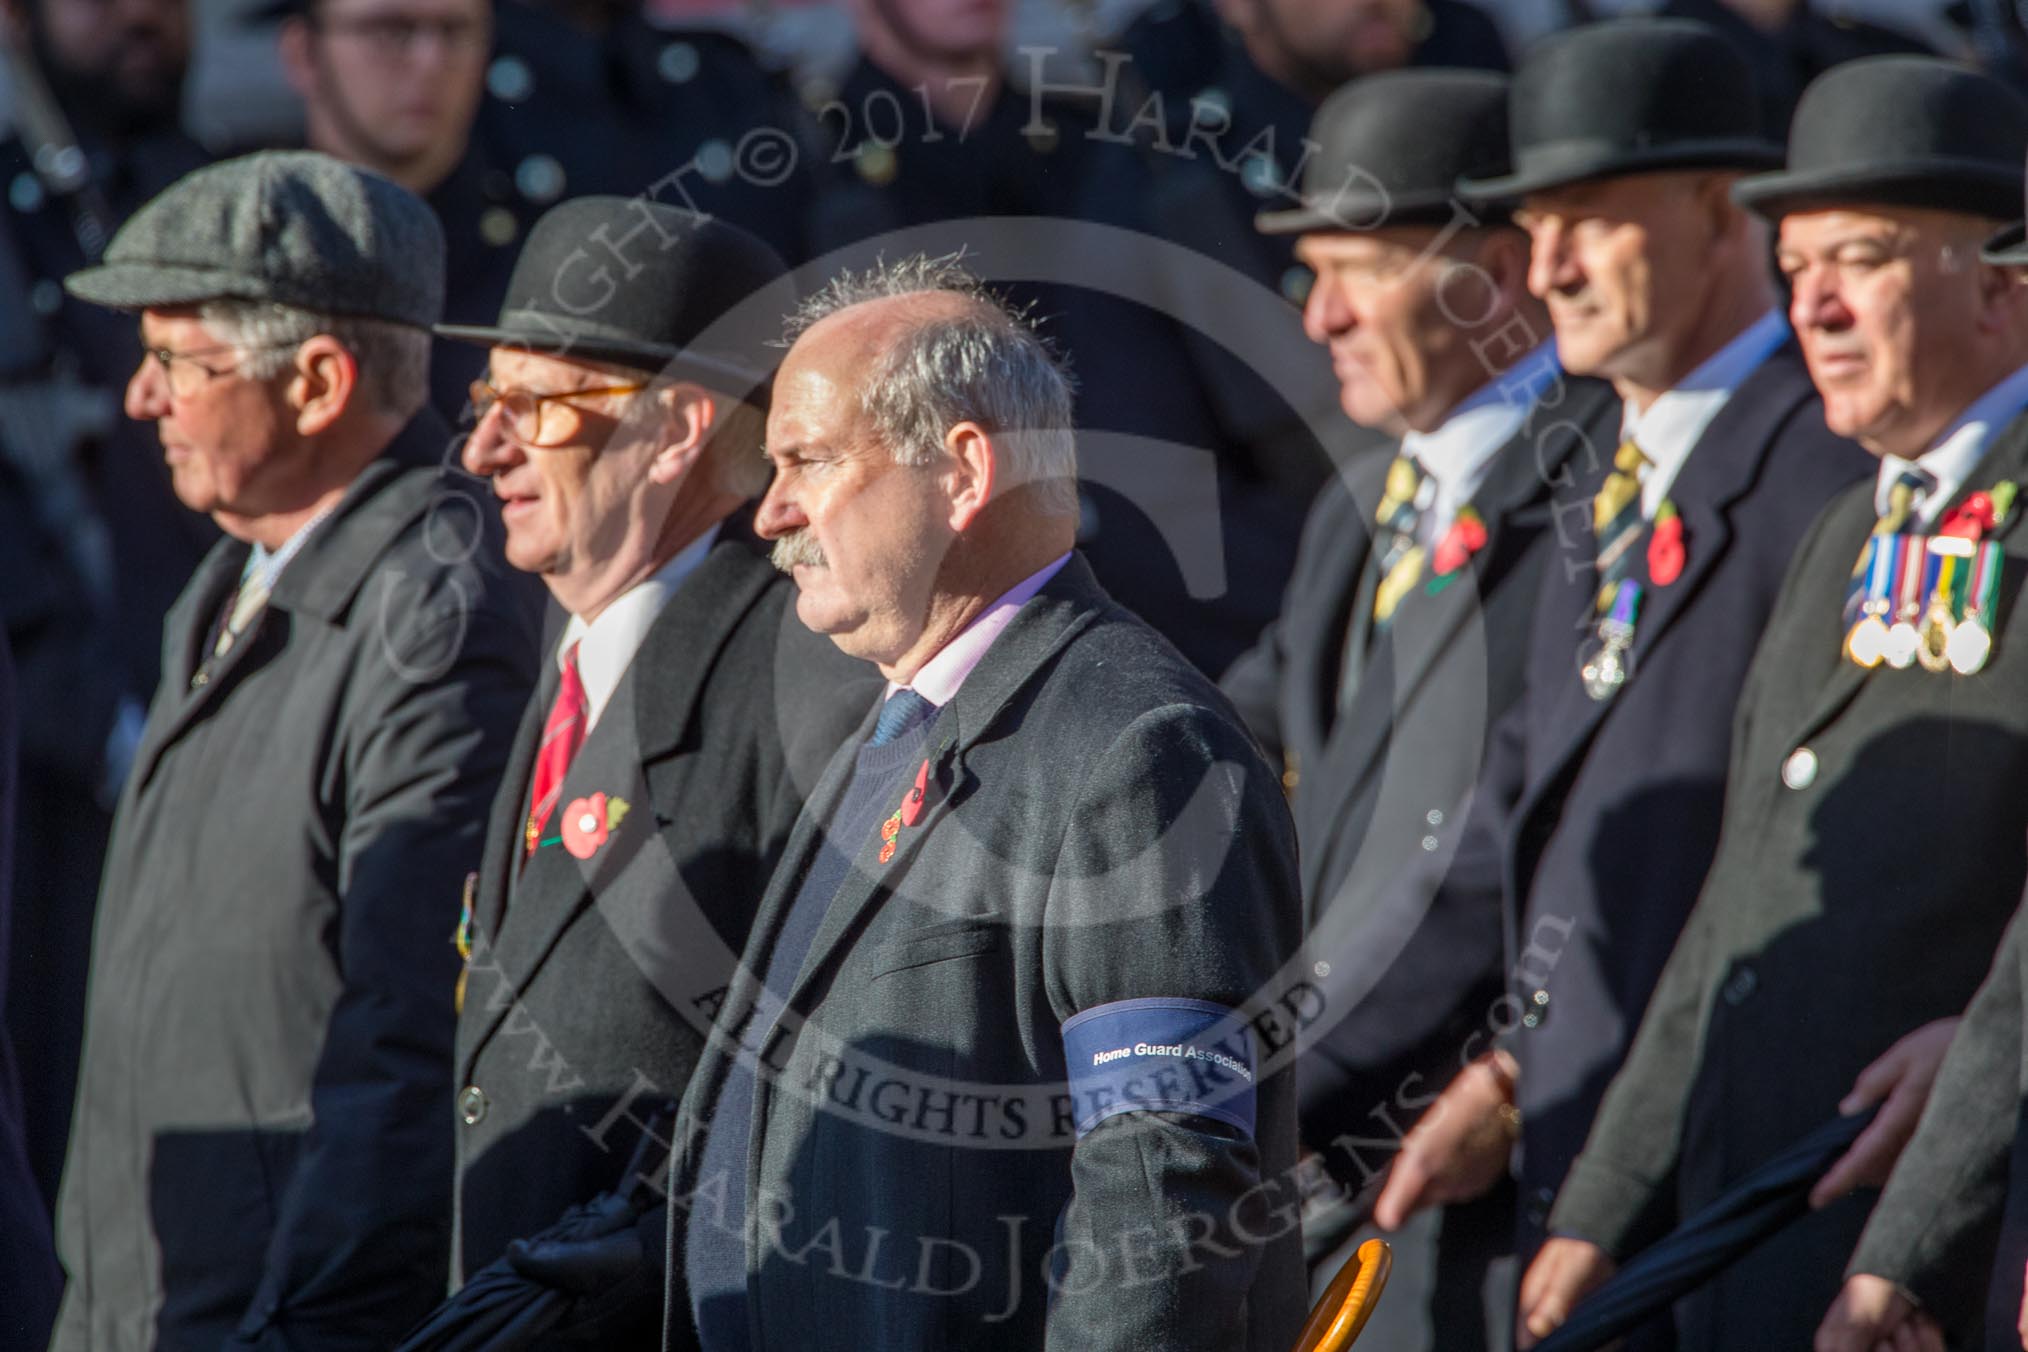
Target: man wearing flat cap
{"points": [[1401, 637], [683, 713], [259, 1157], [1878, 795], [1596, 811]]}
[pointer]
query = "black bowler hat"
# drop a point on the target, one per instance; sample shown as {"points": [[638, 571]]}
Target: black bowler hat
{"points": [[1390, 149], [1627, 96], [641, 283], [1910, 131]]}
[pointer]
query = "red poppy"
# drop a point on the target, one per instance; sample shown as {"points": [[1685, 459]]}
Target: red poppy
{"points": [[911, 806], [584, 826], [1466, 537], [1970, 519], [1665, 550]]}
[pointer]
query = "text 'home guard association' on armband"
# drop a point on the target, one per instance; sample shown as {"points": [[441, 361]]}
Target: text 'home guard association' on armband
{"points": [[1160, 1054]]}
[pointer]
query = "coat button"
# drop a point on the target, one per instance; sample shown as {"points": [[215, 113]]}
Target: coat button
{"points": [[1799, 771], [1740, 987], [472, 1105], [1537, 1011]]}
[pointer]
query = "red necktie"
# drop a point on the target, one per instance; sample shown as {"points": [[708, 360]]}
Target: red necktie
{"points": [[562, 735]]}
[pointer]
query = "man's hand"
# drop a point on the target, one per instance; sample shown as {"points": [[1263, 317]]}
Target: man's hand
{"points": [[2021, 1324], [1565, 1272], [1900, 1082], [1460, 1148], [1871, 1313]]}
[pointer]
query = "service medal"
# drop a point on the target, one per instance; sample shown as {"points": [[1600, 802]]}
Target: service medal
{"points": [[1903, 636], [1866, 638], [1607, 669], [1971, 643]]}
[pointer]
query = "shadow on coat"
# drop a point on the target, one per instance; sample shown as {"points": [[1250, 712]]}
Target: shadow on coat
{"points": [[1916, 854]]}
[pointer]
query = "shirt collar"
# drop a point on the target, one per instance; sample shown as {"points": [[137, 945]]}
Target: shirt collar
{"points": [[940, 677], [1671, 427], [1957, 452], [606, 646], [267, 564], [1458, 454]]}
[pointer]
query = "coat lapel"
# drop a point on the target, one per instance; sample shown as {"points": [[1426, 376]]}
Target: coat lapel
{"points": [[186, 630], [1430, 624], [2006, 460], [1057, 613], [321, 582], [644, 723], [1721, 468]]}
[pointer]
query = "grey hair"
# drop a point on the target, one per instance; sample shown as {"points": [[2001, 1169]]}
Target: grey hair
{"points": [[986, 365], [393, 359]]}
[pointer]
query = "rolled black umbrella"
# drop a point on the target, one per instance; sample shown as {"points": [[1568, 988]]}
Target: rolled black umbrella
{"points": [[1767, 1199], [499, 1309], [504, 1310]]}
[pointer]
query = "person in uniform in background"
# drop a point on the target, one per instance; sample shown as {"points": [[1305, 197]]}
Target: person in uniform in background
{"points": [[625, 443], [1790, 43], [1402, 635], [397, 86], [1598, 806], [259, 1156], [930, 128], [975, 931], [1218, 98], [1871, 852], [96, 131], [1233, 114], [691, 101]]}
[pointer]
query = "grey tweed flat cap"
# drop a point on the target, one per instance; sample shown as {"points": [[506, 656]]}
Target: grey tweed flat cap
{"points": [[292, 227]]}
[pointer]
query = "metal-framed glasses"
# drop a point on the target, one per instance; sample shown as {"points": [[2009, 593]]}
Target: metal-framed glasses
{"points": [[170, 362], [541, 421]]}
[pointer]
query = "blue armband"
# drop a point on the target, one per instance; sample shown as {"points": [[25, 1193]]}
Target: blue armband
{"points": [[1160, 1055]]}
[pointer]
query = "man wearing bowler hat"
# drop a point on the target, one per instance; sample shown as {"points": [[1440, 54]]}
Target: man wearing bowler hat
{"points": [[259, 1157], [663, 759], [1402, 634], [1871, 849], [1598, 806]]}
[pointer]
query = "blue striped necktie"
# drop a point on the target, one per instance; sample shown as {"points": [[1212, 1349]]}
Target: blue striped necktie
{"points": [[904, 712]]}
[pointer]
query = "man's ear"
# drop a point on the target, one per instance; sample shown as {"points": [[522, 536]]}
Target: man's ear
{"points": [[970, 472], [689, 414], [325, 383]]}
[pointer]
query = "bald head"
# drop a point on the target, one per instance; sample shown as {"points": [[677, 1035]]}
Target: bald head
{"points": [[924, 459]]}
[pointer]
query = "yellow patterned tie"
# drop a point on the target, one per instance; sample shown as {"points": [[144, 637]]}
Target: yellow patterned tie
{"points": [[1616, 519], [1900, 502], [1401, 555]]}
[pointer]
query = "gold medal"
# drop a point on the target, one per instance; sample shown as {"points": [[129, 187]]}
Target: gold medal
{"points": [[1935, 637]]}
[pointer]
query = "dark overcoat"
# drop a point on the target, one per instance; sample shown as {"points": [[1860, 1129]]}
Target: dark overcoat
{"points": [[1594, 822], [1951, 1226], [1869, 861], [260, 1155], [569, 1040], [1097, 828]]}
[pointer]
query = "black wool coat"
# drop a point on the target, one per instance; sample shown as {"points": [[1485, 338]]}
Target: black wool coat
{"points": [[1870, 857]]}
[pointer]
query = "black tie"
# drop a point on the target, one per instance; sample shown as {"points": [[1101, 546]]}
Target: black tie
{"points": [[904, 712]]}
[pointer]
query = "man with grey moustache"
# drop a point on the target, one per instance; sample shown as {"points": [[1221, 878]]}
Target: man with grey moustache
{"points": [[1046, 891]]}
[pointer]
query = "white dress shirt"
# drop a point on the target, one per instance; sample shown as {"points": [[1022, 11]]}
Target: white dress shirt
{"points": [[1456, 457], [1957, 452], [607, 645], [1670, 428]]}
